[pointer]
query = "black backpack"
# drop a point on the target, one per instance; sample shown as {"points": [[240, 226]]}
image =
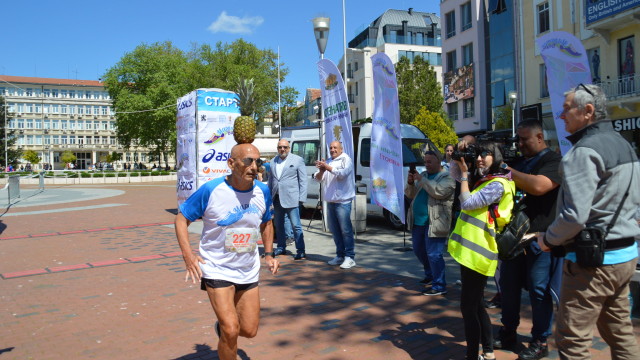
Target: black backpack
{"points": [[510, 240]]}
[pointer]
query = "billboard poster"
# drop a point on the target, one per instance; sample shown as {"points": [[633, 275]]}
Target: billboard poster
{"points": [[185, 149], [596, 10], [205, 137], [567, 67], [387, 184], [459, 84], [216, 112]]}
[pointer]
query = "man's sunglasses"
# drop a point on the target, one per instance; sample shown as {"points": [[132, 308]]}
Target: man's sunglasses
{"points": [[283, 147], [581, 85], [249, 161]]}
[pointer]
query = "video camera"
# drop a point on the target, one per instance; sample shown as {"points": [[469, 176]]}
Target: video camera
{"points": [[469, 154], [509, 150]]}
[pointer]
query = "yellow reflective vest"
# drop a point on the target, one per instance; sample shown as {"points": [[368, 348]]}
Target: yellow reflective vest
{"points": [[473, 240]]}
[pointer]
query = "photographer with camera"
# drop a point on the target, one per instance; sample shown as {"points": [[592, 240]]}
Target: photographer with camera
{"points": [[539, 272], [429, 219], [486, 201], [595, 224]]}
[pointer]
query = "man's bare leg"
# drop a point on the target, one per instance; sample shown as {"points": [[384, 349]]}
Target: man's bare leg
{"points": [[238, 314]]}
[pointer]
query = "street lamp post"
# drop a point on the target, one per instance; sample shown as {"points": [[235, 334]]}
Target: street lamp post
{"points": [[321, 33], [513, 99]]}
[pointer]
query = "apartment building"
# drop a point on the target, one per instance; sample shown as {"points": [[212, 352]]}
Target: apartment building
{"points": [[51, 116], [397, 33], [610, 33]]}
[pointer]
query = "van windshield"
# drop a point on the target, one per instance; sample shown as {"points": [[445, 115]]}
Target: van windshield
{"points": [[412, 150]]}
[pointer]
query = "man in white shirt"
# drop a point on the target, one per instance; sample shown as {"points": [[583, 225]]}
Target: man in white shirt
{"points": [[338, 190], [236, 213]]}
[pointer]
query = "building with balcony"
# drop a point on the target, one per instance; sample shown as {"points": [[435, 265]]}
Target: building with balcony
{"points": [[397, 33], [479, 64], [51, 116], [610, 36]]}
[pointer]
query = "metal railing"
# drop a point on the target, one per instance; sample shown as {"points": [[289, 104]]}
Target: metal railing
{"points": [[628, 85]]}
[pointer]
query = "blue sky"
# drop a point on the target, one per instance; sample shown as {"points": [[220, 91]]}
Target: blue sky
{"points": [[81, 39]]}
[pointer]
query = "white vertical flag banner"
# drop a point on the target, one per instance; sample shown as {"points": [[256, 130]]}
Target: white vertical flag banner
{"points": [[337, 117], [387, 180], [567, 66]]}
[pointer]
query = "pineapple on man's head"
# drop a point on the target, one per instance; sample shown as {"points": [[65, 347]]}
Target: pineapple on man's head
{"points": [[244, 127]]}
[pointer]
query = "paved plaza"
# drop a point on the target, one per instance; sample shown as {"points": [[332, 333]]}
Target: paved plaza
{"points": [[95, 272]]}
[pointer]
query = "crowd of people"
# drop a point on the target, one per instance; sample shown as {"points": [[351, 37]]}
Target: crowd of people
{"points": [[581, 251]]}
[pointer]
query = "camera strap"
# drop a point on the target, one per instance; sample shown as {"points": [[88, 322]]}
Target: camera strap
{"points": [[615, 216]]}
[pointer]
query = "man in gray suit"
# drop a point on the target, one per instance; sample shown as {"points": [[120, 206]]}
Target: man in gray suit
{"points": [[288, 185]]}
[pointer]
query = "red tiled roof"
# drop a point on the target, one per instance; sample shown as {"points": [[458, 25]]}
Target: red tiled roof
{"points": [[49, 81], [314, 94]]}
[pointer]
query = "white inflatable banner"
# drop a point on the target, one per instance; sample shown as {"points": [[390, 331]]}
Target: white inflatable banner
{"points": [[386, 142], [567, 67]]}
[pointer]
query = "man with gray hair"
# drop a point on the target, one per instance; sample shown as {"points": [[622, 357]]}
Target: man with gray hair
{"points": [[600, 189]]}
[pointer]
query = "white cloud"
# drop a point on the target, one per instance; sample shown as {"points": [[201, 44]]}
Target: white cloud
{"points": [[234, 24]]}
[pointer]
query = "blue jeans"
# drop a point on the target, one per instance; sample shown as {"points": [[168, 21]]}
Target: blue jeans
{"points": [[430, 253], [339, 217], [528, 271], [287, 221]]}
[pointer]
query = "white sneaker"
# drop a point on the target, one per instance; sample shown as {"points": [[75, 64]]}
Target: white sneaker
{"points": [[336, 261], [348, 263]]}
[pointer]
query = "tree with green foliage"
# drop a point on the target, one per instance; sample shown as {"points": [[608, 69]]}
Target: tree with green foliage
{"points": [[12, 153], [68, 157], [502, 117], [31, 157], [437, 127], [155, 76], [418, 87], [225, 64], [144, 86]]}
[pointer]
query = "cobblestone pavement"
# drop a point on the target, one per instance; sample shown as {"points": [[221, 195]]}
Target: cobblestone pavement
{"points": [[81, 280]]}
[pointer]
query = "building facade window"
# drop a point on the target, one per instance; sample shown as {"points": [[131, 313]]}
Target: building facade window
{"points": [[467, 54], [450, 23], [543, 17], [465, 16], [468, 106], [452, 111], [544, 89], [451, 61]]}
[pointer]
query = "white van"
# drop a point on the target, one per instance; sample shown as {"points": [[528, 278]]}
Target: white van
{"points": [[305, 142]]}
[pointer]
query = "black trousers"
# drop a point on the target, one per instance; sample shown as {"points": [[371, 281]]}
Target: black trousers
{"points": [[477, 325]]}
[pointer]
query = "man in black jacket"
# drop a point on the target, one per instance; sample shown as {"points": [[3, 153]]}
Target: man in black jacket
{"points": [[537, 176]]}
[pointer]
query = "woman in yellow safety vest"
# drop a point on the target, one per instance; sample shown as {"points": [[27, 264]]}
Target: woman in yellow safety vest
{"points": [[472, 243]]}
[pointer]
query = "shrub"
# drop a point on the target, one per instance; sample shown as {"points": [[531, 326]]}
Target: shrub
{"points": [[164, 172], [110, 175], [98, 175], [155, 173], [134, 174], [144, 174], [85, 175], [122, 174]]}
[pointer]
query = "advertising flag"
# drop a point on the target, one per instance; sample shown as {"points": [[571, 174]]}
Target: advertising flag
{"points": [[567, 66], [386, 142], [337, 117]]}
